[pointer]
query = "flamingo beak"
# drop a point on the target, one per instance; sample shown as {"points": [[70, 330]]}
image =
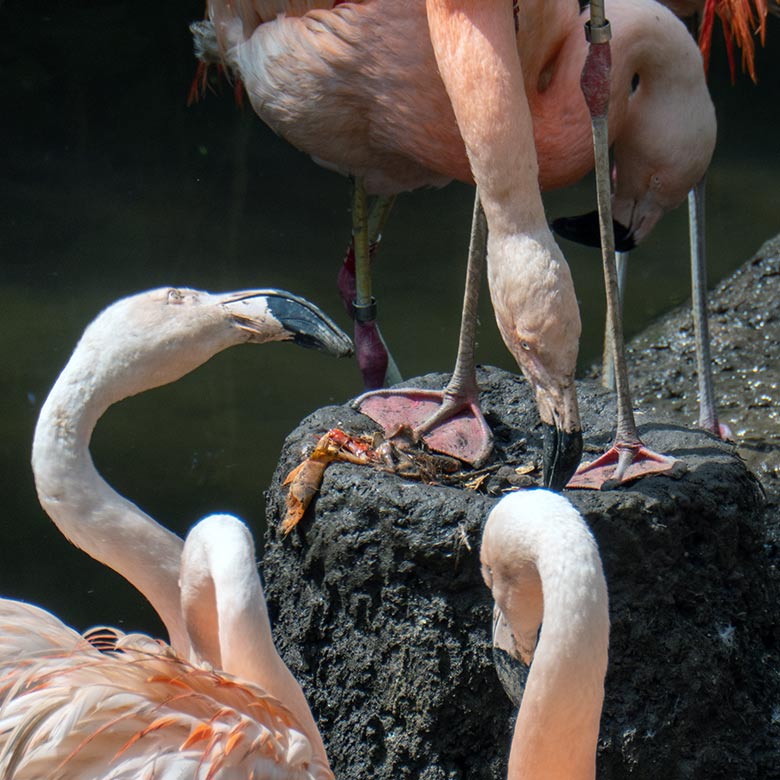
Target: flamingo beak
{"points": [[281, 316], [562, 435], [511, 663], [584, 229], [562, 454]]}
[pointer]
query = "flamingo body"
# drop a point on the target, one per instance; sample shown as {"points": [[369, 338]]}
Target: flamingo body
{"points": [[356, 86], [137, 709], [368, 89]]}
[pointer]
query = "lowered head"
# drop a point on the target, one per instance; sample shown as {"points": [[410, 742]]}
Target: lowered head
{"points": [[669, 135], [667, 126], [538, 316]]}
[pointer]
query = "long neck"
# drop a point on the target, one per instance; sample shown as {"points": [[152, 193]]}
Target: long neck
{"points": [[557, 727], [220, 585], [476, 51], [85, 508]]}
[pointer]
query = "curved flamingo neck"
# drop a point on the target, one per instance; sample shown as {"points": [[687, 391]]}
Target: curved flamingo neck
{"points": [[84, 507], [558, 723], [552, 50], [538, 540], [227, 620]]}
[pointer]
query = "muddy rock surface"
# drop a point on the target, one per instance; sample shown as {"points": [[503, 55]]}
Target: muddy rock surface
{"points": [[745, 331], [379, 608]]}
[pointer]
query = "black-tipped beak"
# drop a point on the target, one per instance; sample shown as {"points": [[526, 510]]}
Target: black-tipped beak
{"points": [[562, 453], [584, 230], [310, 327], [295, 318], [512, 674]]}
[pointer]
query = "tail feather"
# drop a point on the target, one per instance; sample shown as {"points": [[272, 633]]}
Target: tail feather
{"points": [[209, 55], [742, 21]]}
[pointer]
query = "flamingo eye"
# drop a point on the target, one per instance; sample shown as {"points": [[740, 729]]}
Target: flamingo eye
{"points": [[175, 296], [525, 345]]}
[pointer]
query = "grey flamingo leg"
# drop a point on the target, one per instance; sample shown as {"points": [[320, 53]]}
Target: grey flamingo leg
{"points": [[628, 458]]}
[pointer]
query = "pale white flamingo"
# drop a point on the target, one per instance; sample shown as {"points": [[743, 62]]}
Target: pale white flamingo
{"points": [[356, 86], [543, 567], [208, 599], [118, 706], [71, 711]]}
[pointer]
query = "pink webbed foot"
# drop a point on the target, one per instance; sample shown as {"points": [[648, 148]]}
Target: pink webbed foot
{"points": [[719, 429], [455, 427], [619, 465], [725, 433]]}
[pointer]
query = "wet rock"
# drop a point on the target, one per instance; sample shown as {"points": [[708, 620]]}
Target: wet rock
{"points": [[380, 611], [745, 330]]}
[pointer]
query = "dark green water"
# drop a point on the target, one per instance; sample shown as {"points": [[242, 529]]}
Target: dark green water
{"points": [[109, 184]]}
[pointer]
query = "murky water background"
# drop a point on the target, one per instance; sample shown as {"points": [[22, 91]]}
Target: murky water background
{"points": [[109, 184]]}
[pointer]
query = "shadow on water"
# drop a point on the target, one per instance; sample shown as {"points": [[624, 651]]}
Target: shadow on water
{"points": [[112, 185]]}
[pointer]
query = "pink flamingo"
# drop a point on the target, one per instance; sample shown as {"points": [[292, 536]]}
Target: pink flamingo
{"points": [[112, 706], [71, 711], [741, 20], [355, 86]]}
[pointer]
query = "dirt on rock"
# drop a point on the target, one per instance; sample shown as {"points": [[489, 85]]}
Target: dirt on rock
{"points": [[745, 331], [379, 608]]}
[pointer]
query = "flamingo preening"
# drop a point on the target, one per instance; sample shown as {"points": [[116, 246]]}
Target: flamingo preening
{"points": [[356, 86], [110, 705], [70, 711]]}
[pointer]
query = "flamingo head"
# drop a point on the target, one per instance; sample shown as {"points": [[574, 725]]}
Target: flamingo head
{"points": [[663, 152], [665, 140], [538, 316], [158, 336]]}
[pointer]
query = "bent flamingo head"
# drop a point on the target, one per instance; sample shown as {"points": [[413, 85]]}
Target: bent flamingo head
{"points": [[666, 154], [537, 313], [668, 137], [667, 133]]}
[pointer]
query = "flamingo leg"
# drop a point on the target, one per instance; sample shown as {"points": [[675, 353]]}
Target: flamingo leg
{"points": [[376, 364], [628, 459], [450, 420], [708, 412], [608, 358]]}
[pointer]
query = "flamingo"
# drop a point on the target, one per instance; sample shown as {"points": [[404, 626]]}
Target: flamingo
{"points": [[741, 20], [356, 86], [543, 568], [131, 705], [110, 705], [207, 594]]}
